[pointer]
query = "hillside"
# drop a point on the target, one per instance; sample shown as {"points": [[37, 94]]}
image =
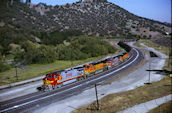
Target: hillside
{"points": [[90, 17], [52, 25]]}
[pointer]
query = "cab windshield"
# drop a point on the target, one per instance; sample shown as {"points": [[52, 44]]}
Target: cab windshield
{"points": [[49, 75]]}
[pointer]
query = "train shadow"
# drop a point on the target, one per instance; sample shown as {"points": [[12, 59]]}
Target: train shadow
{"points": [[39, 88], [152, 54], [162, 72]]}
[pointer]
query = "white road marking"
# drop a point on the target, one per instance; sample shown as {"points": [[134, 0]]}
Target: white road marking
{"points": [[72, 87]]}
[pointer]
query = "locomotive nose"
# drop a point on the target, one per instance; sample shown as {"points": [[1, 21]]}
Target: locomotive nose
{"points": [[46, 82]]}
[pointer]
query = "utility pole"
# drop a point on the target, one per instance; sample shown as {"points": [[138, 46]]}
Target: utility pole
{"points": [[149, 73], [11, 3], [16, 73], [170, 53], [98, 107]]}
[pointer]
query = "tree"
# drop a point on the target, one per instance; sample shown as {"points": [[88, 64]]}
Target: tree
{"points": [[12, 1], [44, 54], [29, 51], [1, 50]]}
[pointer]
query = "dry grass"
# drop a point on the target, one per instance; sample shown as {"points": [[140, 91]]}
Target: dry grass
{"points": [[159, 48], [116, 102], [149, 43], [164, 108]]}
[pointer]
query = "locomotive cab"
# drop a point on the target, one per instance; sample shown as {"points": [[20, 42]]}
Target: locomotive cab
{"points": [[50, 81]]}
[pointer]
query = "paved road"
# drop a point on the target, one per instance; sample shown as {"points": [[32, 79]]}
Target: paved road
{"points": [[32, 101]]}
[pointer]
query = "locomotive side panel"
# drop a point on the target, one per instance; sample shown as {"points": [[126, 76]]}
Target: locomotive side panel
{"points": [[67, 76]]}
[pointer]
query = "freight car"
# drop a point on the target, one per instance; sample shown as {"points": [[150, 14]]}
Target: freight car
{"points": [[60, 78], [124, 46]]}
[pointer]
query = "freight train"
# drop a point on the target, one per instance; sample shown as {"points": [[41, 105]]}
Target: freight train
{"points": [[58, 79]]}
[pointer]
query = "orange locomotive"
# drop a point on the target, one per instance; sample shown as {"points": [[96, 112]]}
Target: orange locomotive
{"points": [[95, 67], [60, 78]]}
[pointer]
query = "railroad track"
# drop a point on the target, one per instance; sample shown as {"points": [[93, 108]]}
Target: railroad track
{"points": [[35, 100]]}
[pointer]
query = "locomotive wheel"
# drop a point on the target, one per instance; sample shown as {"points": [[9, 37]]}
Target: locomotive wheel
{"points": [[50, 88], [77, 79], [59, 85], [46, 88], [89, 75], [53, 87], [80, 78], [56, 86]]}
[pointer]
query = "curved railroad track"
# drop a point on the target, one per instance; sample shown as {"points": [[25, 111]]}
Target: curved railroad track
{"points": [[32, 101]]}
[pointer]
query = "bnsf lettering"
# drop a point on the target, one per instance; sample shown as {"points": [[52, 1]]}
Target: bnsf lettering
{"points": [[68, 75]]}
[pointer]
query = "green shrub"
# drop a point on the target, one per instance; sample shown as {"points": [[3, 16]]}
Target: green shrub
{"points": [[4, 67], [77, 48], [44, 54], [83, 47], [38, 53], [57, 37]]}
